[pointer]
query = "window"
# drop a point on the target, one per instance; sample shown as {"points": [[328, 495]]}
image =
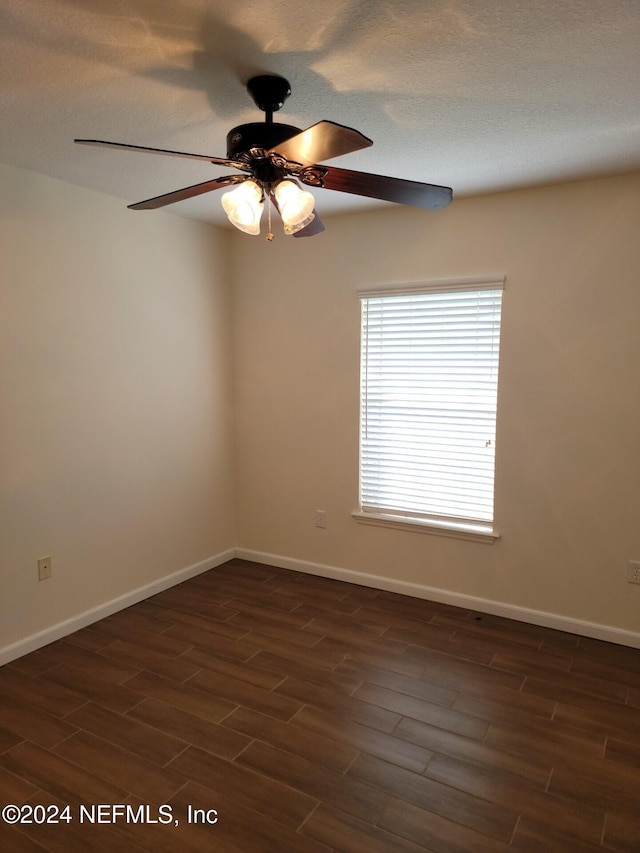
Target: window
{"points": [[429, 385]]}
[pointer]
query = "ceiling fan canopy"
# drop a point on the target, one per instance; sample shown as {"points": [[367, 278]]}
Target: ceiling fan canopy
{"points": [[273, 159]]}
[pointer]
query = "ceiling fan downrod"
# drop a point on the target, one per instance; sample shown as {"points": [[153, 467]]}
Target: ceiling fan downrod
{"points": [[269, 94]]}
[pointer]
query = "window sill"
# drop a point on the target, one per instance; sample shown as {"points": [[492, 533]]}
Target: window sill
{"points": [[458, 530]]}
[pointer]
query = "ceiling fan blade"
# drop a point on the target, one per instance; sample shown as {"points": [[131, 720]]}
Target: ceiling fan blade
{"points": [[429, 196], [316, 226], [187, 192], [320, 142], [218, 161]]}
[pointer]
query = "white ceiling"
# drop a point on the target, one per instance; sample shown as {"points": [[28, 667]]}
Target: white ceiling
{"points": [[479, 96]]}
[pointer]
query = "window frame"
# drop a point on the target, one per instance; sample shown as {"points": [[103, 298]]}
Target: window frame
{"points": [[479, 531]]}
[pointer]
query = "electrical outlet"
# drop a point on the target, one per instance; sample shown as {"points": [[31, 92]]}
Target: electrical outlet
{"points": [[44, 568], [321, 518], [633, 572]]}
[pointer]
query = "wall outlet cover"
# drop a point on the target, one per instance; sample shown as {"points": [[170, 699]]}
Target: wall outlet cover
{"points": [[44, 568], [633, 572]]}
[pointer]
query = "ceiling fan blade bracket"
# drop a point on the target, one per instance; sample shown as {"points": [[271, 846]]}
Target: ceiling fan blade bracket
{"points": [[312, 175], [280, 162]]}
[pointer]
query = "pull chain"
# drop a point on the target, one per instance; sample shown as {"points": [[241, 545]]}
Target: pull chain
{"points": [[269, 232]]}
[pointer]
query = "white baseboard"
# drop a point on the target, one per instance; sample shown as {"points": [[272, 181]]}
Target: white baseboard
{"points": [[508, 611], [62, 629]]}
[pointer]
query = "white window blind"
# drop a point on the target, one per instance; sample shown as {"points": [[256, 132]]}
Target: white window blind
{"points": [[429, 381]]}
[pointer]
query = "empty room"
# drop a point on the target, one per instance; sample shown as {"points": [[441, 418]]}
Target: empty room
{"points": [[319, 426]]}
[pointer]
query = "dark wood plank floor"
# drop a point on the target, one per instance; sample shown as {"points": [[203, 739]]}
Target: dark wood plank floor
{"points": [[311, 715]]}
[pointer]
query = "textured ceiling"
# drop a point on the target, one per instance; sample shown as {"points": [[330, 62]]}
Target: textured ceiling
{"points": [[479, 96]]}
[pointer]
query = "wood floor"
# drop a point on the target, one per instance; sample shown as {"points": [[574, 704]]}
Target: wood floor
{"points": [[283, 712]]}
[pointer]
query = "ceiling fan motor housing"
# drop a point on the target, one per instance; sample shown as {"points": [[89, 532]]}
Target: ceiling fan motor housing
{"points": [[257, 135]]}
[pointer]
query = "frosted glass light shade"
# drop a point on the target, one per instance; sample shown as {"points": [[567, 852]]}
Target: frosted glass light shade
{"points": [[295, 206], [243, 206]]}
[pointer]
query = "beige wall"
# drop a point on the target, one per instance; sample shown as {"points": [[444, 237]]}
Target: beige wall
{"points": [[123, 338], [116, 452], [568, 452]]}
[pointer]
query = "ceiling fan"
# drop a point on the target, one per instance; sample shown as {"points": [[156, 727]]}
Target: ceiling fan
{"points": [[274, 159]]}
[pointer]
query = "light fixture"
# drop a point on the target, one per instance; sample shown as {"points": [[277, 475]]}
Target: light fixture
{"points": [[244, 206], [295, 206]]}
